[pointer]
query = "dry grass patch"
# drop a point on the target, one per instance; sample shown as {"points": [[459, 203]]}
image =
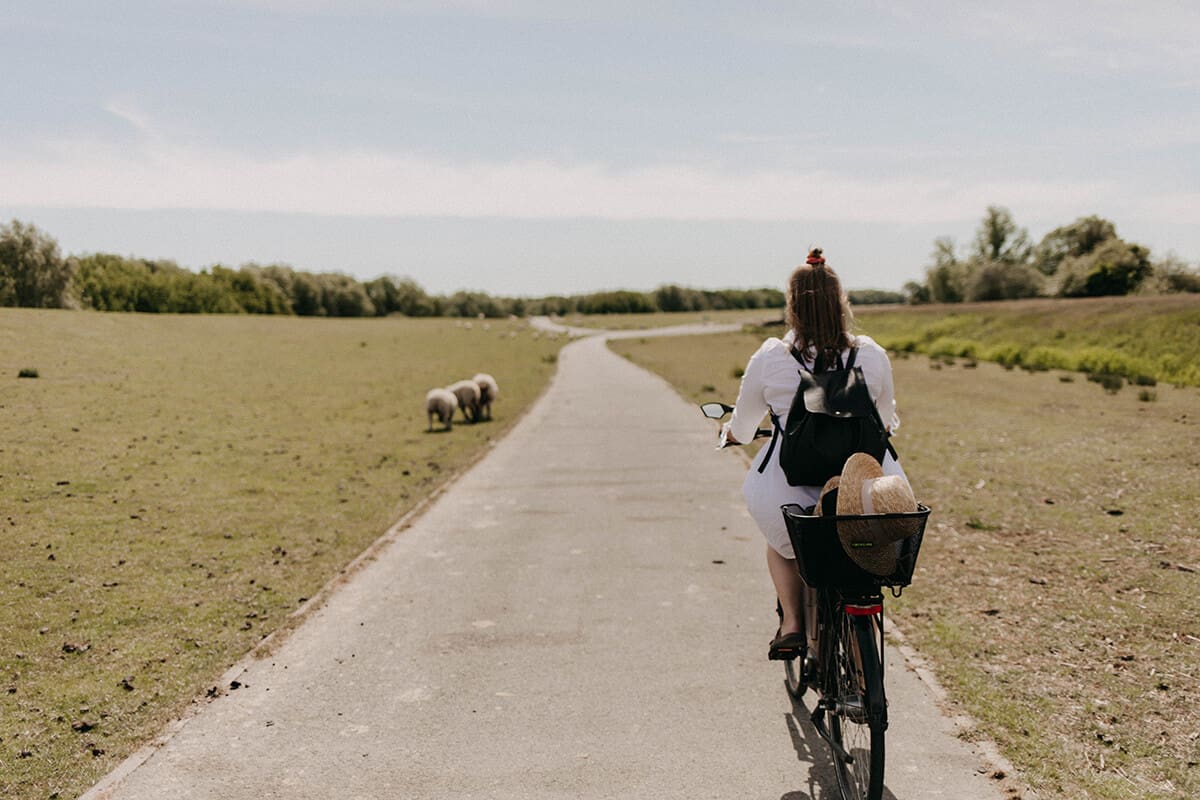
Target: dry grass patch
{"points": [[172, 488], [1057, 589]]}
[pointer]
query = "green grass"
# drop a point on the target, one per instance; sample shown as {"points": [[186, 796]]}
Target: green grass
{"points": [[1057, 589], [173, 487], [1148, 337]]}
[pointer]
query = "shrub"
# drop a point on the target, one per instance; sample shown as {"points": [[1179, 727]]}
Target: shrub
{"points": [[950, 347], [1006, 354], [1171, 274], [1102, 360], [1147, 395], [1077, 239], [1115, 267], [1111, 383], [27, 372], [997, 280], [33, 272], [901, 345]]}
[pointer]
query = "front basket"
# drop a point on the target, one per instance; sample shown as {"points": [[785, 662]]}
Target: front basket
{"points": [[823, 562]]}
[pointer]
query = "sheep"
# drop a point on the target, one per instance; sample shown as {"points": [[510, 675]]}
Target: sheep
{"points": [[441, 402], [468, 399], [488, 389]]}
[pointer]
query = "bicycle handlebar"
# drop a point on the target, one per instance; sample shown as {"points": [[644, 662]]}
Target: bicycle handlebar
{"points": [[717, 410]]}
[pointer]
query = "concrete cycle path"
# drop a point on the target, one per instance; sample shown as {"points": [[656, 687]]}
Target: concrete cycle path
{"points": [[583, 614]]}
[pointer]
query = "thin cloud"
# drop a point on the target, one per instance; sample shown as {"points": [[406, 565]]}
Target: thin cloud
{"points": [[1156, 35], [375, 183], [127, 112]]}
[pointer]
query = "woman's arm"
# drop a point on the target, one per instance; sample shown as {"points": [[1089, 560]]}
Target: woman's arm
{"points": [[877, 369], [751, 405]]}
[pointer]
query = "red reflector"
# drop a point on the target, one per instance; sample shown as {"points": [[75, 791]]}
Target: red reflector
{"points": [[864, 611]]}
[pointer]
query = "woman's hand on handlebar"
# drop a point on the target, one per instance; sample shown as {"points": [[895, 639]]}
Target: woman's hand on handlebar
{"points": [[727, 438]]}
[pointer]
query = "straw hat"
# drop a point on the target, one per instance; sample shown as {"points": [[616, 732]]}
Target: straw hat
{"points": [[865, 490], [827, 503]]}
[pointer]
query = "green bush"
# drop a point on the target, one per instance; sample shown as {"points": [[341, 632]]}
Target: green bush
{"points": [[1044, 358], [1006, 354], [1113, 268], [1102, 360], [27, 372], [33, 273], [951, 346]]}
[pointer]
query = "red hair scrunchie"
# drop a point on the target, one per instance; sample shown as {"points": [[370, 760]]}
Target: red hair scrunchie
{"points": [[815, 260]]}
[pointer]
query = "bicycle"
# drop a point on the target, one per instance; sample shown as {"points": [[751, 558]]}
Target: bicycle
{"points": [[847, 670]]}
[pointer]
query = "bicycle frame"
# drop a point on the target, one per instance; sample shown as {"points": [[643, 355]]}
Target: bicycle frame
{"points": [[860, 612]]}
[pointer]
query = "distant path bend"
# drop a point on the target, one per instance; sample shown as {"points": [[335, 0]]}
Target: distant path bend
{"points": [[584, 614]]}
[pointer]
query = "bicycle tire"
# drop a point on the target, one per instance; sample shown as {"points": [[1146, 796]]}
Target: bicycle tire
{"points": [[793, 677], [859, 719]]}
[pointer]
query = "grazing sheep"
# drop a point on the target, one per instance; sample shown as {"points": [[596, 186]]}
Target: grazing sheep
{"points": [[441, 402], [488, 389], [468, 399]]}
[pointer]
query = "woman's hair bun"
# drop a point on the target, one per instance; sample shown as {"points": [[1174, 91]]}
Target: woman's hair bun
{"points": [[815, 258]]}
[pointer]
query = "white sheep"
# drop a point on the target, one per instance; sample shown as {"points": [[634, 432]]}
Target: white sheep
{"points": [[467, 393], [441, 402], [488, 389]]}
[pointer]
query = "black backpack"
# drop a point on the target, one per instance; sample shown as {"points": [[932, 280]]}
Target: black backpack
{"points": [[832, 418]]}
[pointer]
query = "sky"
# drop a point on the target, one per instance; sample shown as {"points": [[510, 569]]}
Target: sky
{"points": [[537, 147]]}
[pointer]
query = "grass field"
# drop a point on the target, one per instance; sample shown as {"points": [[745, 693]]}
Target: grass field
{"points": [[1158, 337], [1057, 589], [173, 487]]}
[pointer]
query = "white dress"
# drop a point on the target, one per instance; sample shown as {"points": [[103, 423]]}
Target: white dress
{"points": [[770, 382]]}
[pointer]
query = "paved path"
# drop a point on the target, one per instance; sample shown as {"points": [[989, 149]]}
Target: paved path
{"points": [[582, 615]]}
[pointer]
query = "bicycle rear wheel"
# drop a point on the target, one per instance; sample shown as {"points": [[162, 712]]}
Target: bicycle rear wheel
{"points": [[859, 716], [793, 677]]}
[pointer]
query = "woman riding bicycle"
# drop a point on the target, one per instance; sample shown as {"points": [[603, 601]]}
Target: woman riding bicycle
{"points": [[819, 321]]}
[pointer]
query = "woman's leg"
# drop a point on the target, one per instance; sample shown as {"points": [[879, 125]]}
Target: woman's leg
{"points": [[788, 587]]}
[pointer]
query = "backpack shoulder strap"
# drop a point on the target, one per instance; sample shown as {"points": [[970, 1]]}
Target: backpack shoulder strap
{"points": [[776, 428], [850, 361]]}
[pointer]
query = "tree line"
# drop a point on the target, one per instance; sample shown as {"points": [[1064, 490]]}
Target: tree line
{"points": [[1083, 259], [34, 273]]}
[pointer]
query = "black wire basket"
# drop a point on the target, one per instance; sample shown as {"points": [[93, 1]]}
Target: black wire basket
{"points": [[823, 562]]}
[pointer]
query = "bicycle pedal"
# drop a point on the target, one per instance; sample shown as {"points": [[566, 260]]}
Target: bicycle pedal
{"points": [[783, 654]]}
